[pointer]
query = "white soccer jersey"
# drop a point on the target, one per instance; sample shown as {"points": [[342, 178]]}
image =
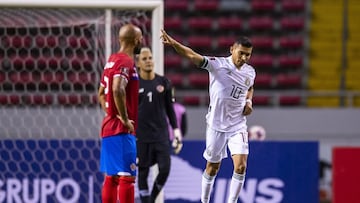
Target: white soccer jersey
{"points": [[228, 88]]}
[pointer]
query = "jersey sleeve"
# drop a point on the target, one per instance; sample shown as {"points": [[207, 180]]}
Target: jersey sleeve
{"points": [[169, 104], [210, 62], [123, 68]]}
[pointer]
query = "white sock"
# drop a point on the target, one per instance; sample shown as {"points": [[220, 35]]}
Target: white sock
{"points": [[237, 181], [206, 187]]}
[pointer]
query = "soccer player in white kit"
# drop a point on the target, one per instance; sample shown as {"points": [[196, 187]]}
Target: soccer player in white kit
{"points": [[231, 82]]}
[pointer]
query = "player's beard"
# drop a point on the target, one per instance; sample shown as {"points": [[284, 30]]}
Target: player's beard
{"points": [[137, 50]]}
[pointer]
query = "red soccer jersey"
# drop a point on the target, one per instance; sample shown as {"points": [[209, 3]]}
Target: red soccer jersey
{"points": [[119, 65]]}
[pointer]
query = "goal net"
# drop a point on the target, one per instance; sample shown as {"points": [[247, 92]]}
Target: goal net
{"points": [[51, 59]]}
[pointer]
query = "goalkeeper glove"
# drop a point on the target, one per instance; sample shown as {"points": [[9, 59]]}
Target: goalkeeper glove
{"points": [[177, 142]]}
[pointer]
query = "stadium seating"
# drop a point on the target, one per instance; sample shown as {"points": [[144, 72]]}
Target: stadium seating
{"points": [[292, 42], [9, 99], [176, 80], [172, 61], [284, 81], [171, 23], [191, 100], [225, 23], [293, 5], [206, 5], [290, 100], [175, 5], [200, 42], [224, 42], [262, 42], [263, 81], [294, 62], [292, 23], [262, 61], [199, 80], [262, 100], [261, 23], [2, 77], [326, 34], [198, 23], [3, 99], [262, 5]]}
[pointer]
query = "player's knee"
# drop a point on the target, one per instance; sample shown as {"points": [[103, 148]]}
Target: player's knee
{"points": [[212, 168], [240, 169], [164, 169]]}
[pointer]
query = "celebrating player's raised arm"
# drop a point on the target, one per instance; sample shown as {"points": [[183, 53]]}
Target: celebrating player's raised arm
{"points": [[181, 49]]}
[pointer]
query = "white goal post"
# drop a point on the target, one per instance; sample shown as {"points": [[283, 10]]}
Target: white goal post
{"points": [[157, 21]]}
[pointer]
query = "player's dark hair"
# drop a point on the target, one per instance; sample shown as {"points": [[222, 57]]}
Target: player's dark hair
{"points": [[244, 41]]}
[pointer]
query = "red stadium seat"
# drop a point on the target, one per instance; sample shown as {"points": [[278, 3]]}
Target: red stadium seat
{"points": [[85, 77], [176, 79], [262, 41], [206, 5], [14, 77], [52, 41], [261, 100], [27, 41], [290, 100], [176, 5], [87, 64], [289, 81], [3, 99], [2, 77], [225, 41], [262, 61], [262, 5], [173, 23], [229, 23], [47, 77], [94, 99], [40, 41], [290, 61], [292, 23], [291, 42], [199, 80], [14, 99], [59, 77], [200, 23], [25, 77], [261, 23], [16, 41], [293, 5], [204, 42], [173, 61], [191, 100], [29, 64], [84, 43], [53, 63], [18, 63], [72, 41], [71, 99], [41, 99], [76, 64], [263, 81], [41, 64]]}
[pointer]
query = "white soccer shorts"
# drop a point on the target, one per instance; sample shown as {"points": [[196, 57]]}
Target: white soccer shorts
{"points": [[217, 143]]}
